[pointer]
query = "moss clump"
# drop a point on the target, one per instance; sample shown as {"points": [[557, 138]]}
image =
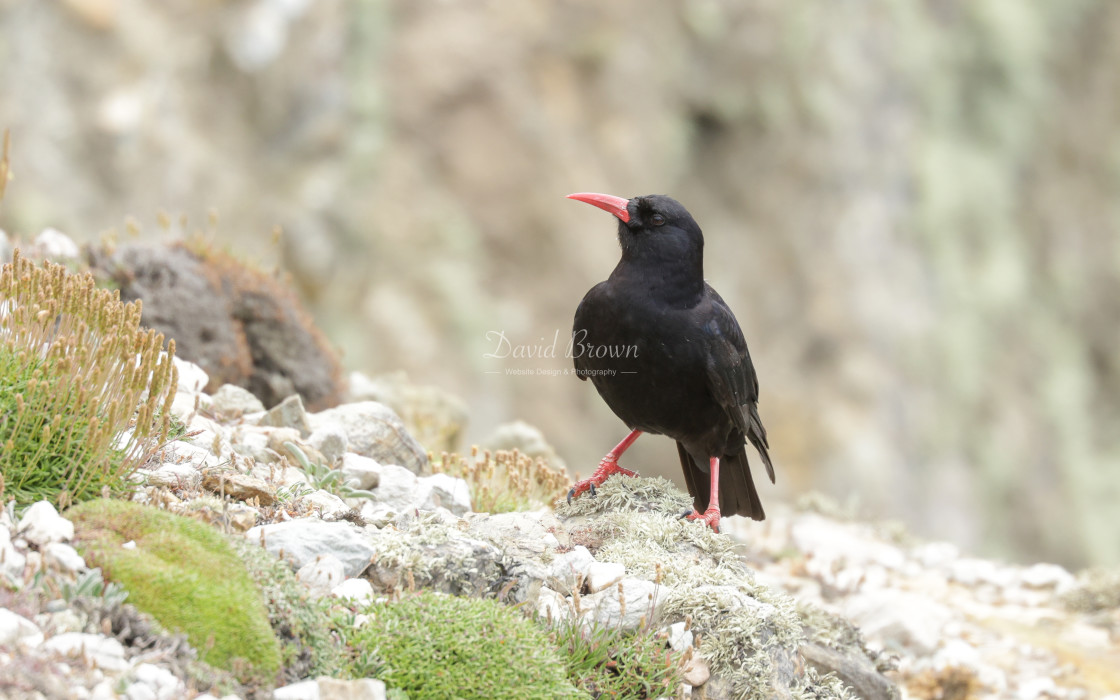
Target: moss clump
{"points": [[503, 481], [438, 646], [185, 575], [85, 393]]}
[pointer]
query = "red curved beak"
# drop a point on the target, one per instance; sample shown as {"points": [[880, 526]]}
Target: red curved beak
{"points": [[606, 202]]}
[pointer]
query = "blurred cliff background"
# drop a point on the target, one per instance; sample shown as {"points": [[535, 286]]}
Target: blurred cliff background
{"points": [[912, 208]]}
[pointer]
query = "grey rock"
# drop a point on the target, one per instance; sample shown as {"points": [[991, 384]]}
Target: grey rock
{"points": [[433, 416], [524, 581], [375, 431], [304, 539], [163, 683], [11, 561], [322, 573], [289, 413], [278, 439], [378, 514], [457, 565], [254, 443], [356, 590], [139, 691], [525, 438], [1046, 576], [443, 491], [361, 689], [242, 487], [328, 505], [899, 619], [304, 690], [41, 524], [570, 569], [602, 574], [396, 486], [232, 401], [175, 476], [679, 638], [522, 535], [192, 378], [16, 628], [697, 672], [855, 670], [641, 600], [64, 557], [330, 441], [970, 571], [186, 453], [552, 606], [54, 245], [360, 472], [105, 652]]}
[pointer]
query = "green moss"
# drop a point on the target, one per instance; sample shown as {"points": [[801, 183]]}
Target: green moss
{"points": [[438, 646], [187, 576]]}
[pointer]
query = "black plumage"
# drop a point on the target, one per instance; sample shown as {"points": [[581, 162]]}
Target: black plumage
{"points": [[668, 357]]}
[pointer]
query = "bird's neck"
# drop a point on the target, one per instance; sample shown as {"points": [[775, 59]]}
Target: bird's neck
{"points": [[675, 278]]}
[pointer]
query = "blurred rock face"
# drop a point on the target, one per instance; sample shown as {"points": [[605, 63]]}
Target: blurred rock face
{"points": [[909, 207]]}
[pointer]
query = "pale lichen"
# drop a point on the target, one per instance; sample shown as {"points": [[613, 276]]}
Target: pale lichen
{"points": [[746, 630]]}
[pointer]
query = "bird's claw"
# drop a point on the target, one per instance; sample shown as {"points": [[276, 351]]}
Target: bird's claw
{"points": [[685, 514], [607, 467], [709, 517]]}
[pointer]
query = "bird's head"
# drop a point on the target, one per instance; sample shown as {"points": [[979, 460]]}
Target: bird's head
{"points": [[653, 229]]}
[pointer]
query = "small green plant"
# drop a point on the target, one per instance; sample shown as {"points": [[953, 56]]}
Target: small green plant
{"points": [[90, 584], [85, 393], [432, 646], [503, 481], [323, 477], [608, 662]]}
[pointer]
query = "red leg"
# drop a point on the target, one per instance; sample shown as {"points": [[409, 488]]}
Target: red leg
{"points": [[607, 465], [711, 515]]}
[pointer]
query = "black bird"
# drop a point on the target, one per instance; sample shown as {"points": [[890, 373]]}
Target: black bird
{"points": [[667, 355]]}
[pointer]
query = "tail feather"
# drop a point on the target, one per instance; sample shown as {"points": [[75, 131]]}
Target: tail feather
{"points": [[737, 493], [757, 435]]}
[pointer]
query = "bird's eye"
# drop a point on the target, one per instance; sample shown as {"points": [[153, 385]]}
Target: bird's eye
{"points": [[657, 219]]}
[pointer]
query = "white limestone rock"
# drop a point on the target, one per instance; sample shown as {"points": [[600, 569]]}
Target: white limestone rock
{"points": [[41, 524], [17, 629], [356, 590], [105, 652], [322, 573], [304, 539]]}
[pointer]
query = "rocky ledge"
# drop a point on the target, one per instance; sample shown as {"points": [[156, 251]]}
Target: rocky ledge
{"points": [[804, 605]]}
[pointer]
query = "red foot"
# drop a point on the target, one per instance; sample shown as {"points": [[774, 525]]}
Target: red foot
{"points": [[710, 517], [607, 466]]}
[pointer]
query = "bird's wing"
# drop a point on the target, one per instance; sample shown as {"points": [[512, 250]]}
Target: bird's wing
{"points": [[580, 326], [730, 372]]}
